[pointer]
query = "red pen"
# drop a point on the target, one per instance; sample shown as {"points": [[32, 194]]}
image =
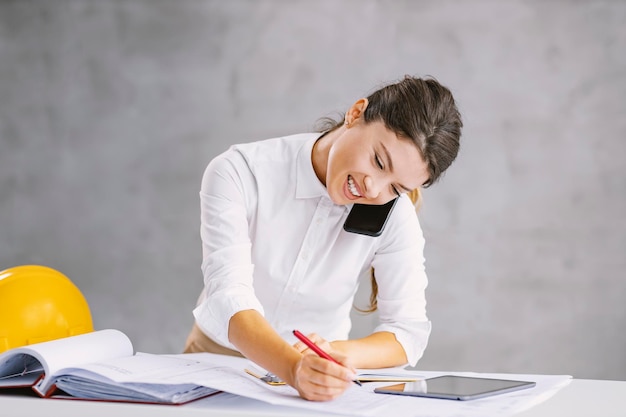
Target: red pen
{"points": [[319, 351]]}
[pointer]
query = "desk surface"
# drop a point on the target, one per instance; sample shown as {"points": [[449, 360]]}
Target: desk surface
{"points": [[581, 398], [584, 397]]}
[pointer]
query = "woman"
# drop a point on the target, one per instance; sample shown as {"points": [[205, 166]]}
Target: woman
{"points": [[276, 257]]}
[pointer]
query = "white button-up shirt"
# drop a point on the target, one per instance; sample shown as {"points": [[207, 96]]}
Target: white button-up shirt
{"points": [[273, 241]]}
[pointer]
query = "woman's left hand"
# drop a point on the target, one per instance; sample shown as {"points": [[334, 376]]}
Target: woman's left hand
{"points": [[318, 340]]}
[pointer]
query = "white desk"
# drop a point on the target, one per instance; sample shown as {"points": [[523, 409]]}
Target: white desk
{"points": [[581, 398], [584, 397]]}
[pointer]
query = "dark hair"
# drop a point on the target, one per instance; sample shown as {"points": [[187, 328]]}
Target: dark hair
{"points": [[419, 109], [423, 111]]}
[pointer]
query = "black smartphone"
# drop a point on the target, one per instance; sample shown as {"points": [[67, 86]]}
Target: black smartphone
{"points": [[368, 219]]}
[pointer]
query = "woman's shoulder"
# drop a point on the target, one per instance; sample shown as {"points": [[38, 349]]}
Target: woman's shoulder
{"points": [[274, 148], [403, 217], [404, 207], [271, 154]]}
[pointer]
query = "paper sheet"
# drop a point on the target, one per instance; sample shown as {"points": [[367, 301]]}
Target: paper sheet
{"points": [[362, 401]]}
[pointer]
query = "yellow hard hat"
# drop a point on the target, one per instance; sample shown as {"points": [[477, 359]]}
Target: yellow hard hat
{"points": [[38, 304]]}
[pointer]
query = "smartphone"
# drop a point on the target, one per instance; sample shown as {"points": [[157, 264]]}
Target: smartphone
{"points": [[368, 219], [453, 387]]}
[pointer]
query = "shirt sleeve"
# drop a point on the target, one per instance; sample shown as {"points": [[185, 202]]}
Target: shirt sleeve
{"points": [[228, 187], [402, 281]]}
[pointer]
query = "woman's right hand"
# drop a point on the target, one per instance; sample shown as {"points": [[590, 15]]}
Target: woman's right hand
{"points": [[318, 379]]}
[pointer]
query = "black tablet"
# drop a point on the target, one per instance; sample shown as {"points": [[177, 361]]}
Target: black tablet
{"points": [[452, 387]]}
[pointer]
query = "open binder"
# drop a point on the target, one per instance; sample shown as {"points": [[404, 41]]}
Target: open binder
{"points": [[100, 366]]}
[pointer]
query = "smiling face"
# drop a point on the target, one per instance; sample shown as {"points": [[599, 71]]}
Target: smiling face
{"points": [[367, 163]]}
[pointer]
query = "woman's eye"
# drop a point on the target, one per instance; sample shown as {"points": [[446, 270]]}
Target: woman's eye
{"points": [[379, 162]]}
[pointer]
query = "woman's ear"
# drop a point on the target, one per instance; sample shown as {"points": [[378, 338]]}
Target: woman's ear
{"points": [[356, 111]]}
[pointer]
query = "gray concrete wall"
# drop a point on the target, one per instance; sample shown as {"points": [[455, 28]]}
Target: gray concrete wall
{"points": [[110, 110]]}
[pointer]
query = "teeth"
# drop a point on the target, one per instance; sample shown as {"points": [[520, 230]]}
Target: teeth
{"points": [[352, 187]]}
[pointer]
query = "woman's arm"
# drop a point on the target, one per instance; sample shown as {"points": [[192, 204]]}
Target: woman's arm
{"points": [[378, 350], [315, 378], [230, 313]]}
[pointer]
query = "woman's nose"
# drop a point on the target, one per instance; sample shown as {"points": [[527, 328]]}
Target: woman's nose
{"points": [[372, 189]]}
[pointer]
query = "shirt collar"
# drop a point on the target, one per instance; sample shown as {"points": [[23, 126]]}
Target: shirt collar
{"points": [[307, 183]]}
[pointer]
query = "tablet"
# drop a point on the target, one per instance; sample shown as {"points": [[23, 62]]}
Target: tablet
{"points": [[452, 387]]}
